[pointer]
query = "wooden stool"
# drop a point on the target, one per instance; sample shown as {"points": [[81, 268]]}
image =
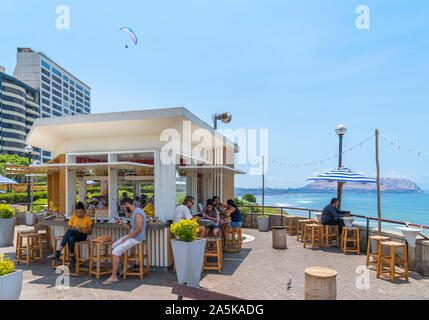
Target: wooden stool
{"points": [[291, 223], [345, 238], [31, 243], [331, 232], [45, 232], [313, 232], [300, 230], [141, 256], [214, 250], [320, 284], [99, 257], [78, 256], [233, 239], [392, 260], [64, 257], [370, 254]]}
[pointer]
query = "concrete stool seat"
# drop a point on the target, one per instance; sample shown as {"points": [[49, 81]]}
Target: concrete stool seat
{"points": [[374, 255], [391, 260], [320, 284], [139, 254], [354, 238]]}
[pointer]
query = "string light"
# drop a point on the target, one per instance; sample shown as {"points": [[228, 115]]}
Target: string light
{"points": [[406, 149]]}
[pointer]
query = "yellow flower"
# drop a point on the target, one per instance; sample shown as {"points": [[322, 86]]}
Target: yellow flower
{"points": [[6, 266], [149, 210], [185, 229]]}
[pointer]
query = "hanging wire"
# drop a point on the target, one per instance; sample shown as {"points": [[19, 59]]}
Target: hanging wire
{"points": [[393, 143]]}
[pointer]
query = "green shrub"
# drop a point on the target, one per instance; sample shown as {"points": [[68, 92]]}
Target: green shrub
{"points": [[6, 211], [249, 198], [22, 197]]}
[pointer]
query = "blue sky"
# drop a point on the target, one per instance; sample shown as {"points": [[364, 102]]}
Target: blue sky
{"points": [[297, 68]]}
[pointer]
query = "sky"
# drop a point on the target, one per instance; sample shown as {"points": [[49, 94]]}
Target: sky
{"points": [[296, 68]]}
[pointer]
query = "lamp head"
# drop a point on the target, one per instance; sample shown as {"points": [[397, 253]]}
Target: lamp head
{"points": [[341, 130], [226, 117], [28, 149]]}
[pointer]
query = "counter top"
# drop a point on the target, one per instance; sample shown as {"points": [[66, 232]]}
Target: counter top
{"points": [[64, 223]]}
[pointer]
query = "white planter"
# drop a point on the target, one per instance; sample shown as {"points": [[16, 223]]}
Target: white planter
{"points": [[11, 285], [264, 223], [7, 229], [318, 216], [188, 258], [348, 221], [30, 219]]}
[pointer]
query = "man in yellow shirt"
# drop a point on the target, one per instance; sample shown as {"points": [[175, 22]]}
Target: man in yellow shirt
{"points": [[80, 226]]}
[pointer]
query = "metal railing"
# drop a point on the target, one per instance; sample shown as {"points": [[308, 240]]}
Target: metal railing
{"points": [[310, 211]]}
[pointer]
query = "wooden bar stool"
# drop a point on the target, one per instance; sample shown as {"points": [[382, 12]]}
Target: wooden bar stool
{"points": [[354, 238], [332, 232], [291, 223], [31, 244], [64, 257], [140, 254], [45, 232], [374, 255], [300, 230], [391, 260], [233, 239], [213, 250], [96, 248], [313, 232], [78, 246]]}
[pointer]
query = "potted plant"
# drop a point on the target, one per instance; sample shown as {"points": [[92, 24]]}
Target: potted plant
{"points": [[30, 218], [188, 251], [10, 279], [7, 225], [263, 222]]}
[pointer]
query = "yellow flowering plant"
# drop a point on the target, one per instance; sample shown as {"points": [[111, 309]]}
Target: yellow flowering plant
{"points": [[185, 229], [6, 211], [6, 266], [149, 210]]}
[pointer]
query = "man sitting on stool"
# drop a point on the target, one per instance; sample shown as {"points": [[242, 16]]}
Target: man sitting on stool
{"points": [[332, 216], [137, 235]]}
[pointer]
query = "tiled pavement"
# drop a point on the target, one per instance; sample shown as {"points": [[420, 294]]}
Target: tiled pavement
{"points": [[257, 272]]}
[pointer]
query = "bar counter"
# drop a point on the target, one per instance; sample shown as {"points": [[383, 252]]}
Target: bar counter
{"points": [[157, 236]]}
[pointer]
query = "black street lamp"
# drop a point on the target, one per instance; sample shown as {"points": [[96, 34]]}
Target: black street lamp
{"points": [[341, 131], [29, 150]]}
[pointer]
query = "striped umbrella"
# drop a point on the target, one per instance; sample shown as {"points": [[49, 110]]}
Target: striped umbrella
{"points": [[6, 180], [342, 175]]}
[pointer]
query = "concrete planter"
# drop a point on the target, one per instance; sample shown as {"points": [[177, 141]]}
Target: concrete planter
{"points": [[7, 229], [30, 219], [188, 258], [263, 224], [11, 285]]}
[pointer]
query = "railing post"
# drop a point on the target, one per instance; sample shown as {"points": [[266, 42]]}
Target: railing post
{"points": [[281, 216], [309, 214], [251, 219], [367, 232]]}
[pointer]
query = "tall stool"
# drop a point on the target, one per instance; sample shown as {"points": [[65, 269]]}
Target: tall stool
{"points": [[45, 232], [64, 257], [354, 238], [291, 223], [374, 255], [78, 246], [301, 228], [140, 254], [313, 232], [392, 260], [96, 248], [31, 244], [233, 239], [332, 232], [214, 250]]}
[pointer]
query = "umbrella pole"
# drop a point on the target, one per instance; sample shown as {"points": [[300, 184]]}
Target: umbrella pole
{"points": [[340, 194], [378, 182]]}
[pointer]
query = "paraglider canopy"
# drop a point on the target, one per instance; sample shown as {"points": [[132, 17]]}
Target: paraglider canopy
{"points": [[131, 34]]}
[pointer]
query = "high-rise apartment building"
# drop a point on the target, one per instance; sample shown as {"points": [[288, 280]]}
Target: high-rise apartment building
{"points": [[61, 93], [19, 106]]}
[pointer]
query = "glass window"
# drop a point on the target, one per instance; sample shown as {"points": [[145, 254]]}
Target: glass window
{"points": [[14, 100], [13, 90], [56, 86], [56, 79], [72, 82], [86, 92], [45, 101], [46, 73], [45, 109], [45, 94], [44, 115], [46, 87], [65, 85], [57, 93], [79, 87], [56, 114], [66, 79], [47, 66], [57, 72]]}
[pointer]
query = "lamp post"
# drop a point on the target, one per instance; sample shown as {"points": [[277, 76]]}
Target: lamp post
{"points": [[29, 150], [340, 131]]}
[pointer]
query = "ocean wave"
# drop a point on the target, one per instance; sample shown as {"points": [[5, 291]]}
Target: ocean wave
{"points": [[282, 204]]}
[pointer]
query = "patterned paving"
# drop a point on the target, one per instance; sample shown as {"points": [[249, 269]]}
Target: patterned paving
{"points": [[257, 272]]}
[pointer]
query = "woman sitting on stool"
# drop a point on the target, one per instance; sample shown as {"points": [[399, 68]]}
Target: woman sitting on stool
{"points": [[235, 215], [80, 226]]}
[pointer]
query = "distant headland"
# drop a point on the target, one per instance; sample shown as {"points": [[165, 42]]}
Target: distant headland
{"points": [[388, 185]]}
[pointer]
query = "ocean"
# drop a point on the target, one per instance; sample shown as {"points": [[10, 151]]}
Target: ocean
{"points": [[412, 208]]}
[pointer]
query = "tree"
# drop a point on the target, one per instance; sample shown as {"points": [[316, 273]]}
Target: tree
{"points": [[249, 198], [12, 159]]}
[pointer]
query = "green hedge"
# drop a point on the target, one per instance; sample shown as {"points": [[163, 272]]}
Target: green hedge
{"points": [[22, 197]]}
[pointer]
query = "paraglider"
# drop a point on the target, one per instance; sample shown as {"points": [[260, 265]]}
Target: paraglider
{"points": [[131, 34]]}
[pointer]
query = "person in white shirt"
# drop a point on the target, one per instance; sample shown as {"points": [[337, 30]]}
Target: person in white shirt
{"points": [[183, 212]]}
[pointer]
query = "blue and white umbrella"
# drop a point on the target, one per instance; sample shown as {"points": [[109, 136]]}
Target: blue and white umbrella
{"points": [[342, 175], [7, 180]]}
